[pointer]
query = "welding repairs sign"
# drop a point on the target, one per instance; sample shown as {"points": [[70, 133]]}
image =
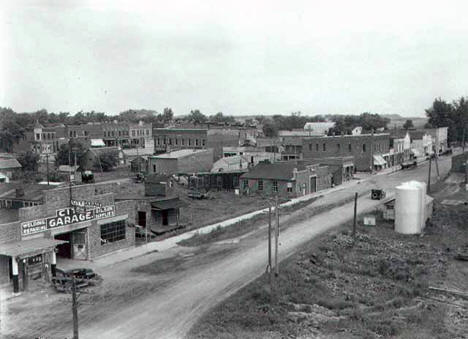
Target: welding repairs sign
{"points": [[81, 211]]}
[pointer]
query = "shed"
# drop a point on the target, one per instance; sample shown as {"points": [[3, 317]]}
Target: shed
{"points": [[7, 168]]}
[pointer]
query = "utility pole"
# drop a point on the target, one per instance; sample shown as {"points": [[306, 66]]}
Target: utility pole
{"points": [[463, 139], [355, 215], [429, 175], [269, 239], [276, 237], [74, 309], [47, 160], [70, 172]]}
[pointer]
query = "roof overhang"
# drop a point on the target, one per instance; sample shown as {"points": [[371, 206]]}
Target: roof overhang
{"points": [[25, 248], [161, 205]]}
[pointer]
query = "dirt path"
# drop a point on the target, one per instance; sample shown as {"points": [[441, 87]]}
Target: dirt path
{"points": [[180, 297], [171, 313]]}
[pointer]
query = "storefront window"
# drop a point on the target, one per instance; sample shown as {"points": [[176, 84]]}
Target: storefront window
{"points": [[113, 231]]}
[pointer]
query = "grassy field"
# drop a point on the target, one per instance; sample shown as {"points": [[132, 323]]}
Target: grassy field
{"points": [[377, 286]]}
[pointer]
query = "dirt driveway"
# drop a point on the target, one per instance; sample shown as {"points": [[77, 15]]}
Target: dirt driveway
{"points": [[169, 291]]}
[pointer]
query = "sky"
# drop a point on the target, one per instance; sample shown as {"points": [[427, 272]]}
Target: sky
{"points": [[236, 57]]}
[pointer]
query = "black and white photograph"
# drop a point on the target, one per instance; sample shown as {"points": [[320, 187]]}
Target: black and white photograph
{"points": [[213, 169]]}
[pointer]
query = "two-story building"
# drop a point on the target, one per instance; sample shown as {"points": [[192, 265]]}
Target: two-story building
{"points": [[367, 150]]}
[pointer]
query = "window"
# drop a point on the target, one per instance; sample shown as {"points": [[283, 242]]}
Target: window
{"points": [[260, 185], [182, 142], [290, 187], [197, 142], [246, 183], [112, 232], [154, 168], [147, 132], [324, 147], [364, 147], [338, 147], [170, 141], [176, 141], [133, 133], [157, 141], [203, 142], [310, 147], [349, 147], [189, 142], [38, 136], [275, 186], [316, 147]]}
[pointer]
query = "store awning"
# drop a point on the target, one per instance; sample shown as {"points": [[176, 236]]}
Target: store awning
{"points": [[167, 204], [416, 152], [97, 143], [27, 247], [379, 160]]}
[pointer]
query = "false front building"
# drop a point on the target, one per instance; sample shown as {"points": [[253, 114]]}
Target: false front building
{"points": [[78, 222]]}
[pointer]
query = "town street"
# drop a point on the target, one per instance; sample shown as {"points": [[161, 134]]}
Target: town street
{"points": [[170, 312], [178, 297]]}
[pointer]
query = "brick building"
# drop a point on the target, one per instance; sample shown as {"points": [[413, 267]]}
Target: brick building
{"points": [[286, 179], [170, 139], [85, 224], [184, 161], [366, 149]]}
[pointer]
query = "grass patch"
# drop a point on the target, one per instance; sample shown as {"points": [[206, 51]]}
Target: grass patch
{"points": [[370, 288]]}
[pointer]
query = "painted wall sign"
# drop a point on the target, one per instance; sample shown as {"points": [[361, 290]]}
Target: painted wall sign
{"points": [[35, 226], [67, 216], [37, 259]]}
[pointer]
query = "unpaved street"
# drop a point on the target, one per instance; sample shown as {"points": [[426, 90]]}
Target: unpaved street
{"points": [[167, 302]]}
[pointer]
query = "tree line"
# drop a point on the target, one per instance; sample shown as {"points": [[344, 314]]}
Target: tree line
{"points": [[453, 115]]}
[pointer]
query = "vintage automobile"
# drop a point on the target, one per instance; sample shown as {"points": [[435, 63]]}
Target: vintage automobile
{"points": [[84, 277], [409, 164], [377, 194], [140, 177]]}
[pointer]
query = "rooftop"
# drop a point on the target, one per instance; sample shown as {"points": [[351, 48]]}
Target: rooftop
{"points": [[29, 191], [9, 163], [279, 170], [179, 154]]}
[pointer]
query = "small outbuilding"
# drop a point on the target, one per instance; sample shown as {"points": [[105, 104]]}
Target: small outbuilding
{"points": [[7, 167]]}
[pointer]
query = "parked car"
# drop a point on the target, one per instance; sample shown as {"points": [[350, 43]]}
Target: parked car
{"points": [[87, 177], [84, 277], [377, 194], [409, 164], [140, 177]]}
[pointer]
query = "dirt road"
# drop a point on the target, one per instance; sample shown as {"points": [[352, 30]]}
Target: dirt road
{"points": [[183, 293]]}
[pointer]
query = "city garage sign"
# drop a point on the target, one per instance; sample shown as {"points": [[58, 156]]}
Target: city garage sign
{"points": [[80, 212]]}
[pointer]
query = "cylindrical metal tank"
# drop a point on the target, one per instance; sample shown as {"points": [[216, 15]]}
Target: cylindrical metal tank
{"points": [[408, 208]]}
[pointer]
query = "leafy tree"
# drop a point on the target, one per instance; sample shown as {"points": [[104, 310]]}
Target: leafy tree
{"points": [[106, 160], [442, 114], [197, 117], [221, 118], [10, 130], [29, 161], [408, 124], [66, 155], [167, 115], [270, 129]]}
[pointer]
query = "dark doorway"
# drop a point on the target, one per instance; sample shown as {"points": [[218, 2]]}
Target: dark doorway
{"points": [[313, 184], [165, 217], [142, 218], [64, 250]]}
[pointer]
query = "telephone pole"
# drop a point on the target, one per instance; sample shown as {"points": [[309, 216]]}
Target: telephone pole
{"points": [[355, 215], [74, 309], [429, 175], [276, 237], [47, 162]]}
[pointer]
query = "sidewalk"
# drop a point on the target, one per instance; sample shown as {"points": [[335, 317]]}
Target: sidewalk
{"points": [[163, 245]]}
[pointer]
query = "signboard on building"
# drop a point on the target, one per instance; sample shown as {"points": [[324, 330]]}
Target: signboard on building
{"points": [[68, 216]]}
